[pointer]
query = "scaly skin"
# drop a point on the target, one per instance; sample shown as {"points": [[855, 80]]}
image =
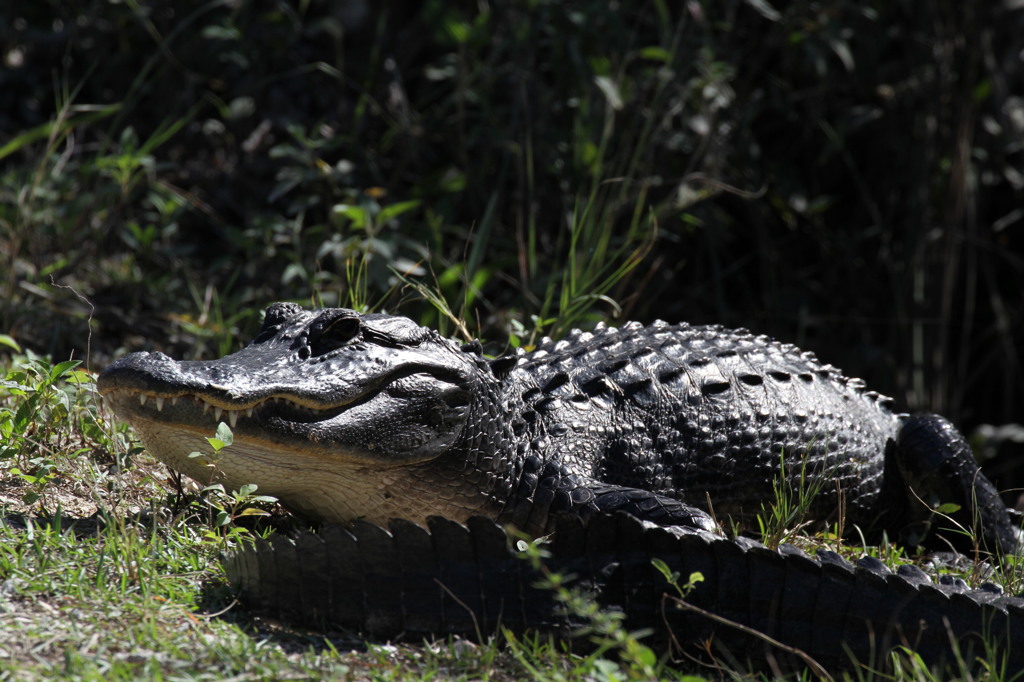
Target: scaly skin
{"points": [[408, 582], [345, 416]]}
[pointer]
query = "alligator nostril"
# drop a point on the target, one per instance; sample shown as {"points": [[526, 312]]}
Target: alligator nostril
{"points": [[219, 377]]}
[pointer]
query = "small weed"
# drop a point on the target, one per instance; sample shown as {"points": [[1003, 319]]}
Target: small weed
{"points": [[673, 578], [39, 401], [784, 514], [617, 653], [229, 508], [222, 439]]}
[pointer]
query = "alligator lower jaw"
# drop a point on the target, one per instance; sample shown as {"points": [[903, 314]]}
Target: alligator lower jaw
{"points": [[325, 483], [327, 487], [315, 487], [176, 427]]}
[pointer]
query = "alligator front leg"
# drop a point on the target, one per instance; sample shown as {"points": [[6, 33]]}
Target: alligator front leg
{"points": [[648, 506], [938, 468], [549, 492]]}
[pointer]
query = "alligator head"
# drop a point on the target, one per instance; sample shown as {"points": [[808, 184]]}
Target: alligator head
{"points": [[318, 402]]}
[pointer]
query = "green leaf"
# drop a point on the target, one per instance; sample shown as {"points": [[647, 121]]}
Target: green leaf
{"points": [[223, 439], [79, 376], [9, 341], [842, 51], [645, 656], [765, 9], [357, 215], [395, 210], [228, 33], [606, 670], [948, 508], [15, 388], [457, 30], [246, 490], [224, 433], [58, 130], [662, 567], [655, 53], [201, 458], [252, 511], [24, 415], [452, 181], [58, 370], [610, 90], [981, 91]]}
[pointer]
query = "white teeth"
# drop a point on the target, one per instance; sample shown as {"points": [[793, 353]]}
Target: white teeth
{"points": [[232, 415]]}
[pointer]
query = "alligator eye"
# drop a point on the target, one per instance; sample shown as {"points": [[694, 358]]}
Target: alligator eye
{"points": [[343, 329], [334, 333], [473, 347]]}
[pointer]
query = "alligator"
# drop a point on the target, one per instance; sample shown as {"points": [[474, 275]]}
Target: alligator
{"points": [[365, 417]]}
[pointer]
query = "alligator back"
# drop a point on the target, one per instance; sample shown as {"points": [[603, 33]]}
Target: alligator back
{"points": [[703, 413]]}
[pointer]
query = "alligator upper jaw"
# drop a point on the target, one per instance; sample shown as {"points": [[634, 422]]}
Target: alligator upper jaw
{"points": [[278, 423], [200, 413], [392, 420]]}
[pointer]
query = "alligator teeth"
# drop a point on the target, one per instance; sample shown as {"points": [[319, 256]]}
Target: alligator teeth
{"points": [[231, 416]]}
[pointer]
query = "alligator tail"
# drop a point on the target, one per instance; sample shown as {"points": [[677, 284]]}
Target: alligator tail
{"points": [[769, 609]]}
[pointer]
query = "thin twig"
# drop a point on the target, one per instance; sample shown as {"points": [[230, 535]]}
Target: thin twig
{"points": [[816, 668]]}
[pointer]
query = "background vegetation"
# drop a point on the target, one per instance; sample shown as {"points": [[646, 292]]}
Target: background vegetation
{"points": [[848, 176], [844, 175]]}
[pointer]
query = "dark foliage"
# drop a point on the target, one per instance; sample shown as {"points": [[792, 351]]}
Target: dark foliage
{"points": [[848, 176]]}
